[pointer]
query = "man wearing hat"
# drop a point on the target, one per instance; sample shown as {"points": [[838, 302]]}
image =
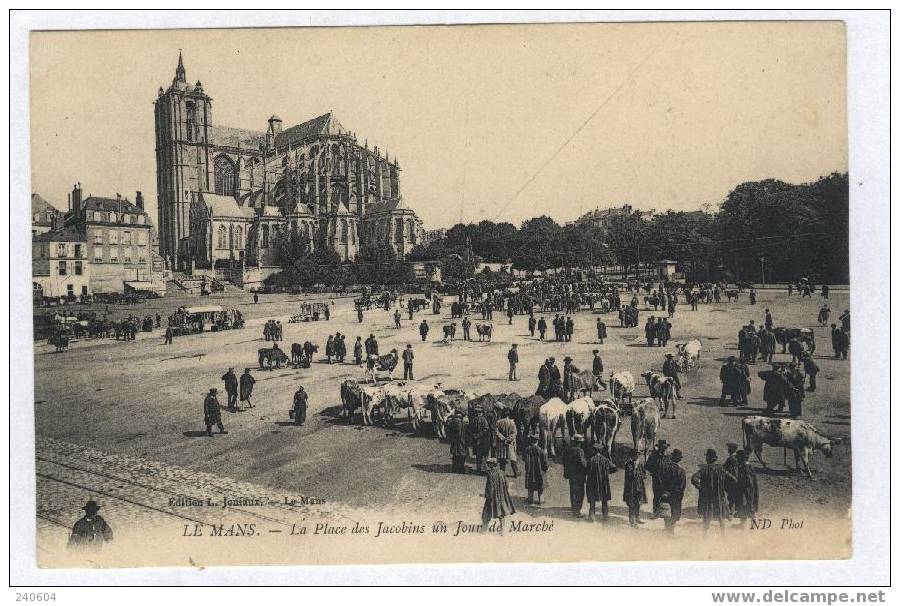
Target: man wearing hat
{"points": [[655, 461], [570, 374], [597, 484], [575, 471], [730, 466], [212, 412], [482, 437], [797, 393], [91, 531], [301, 401], [505, 442], [710, 481], [634, 493], [728, 376], [670, 369], [497, 502], [456, 435], [513, 356], [747, 492], [536, 466], [247, 382], [555, 385], [231, 387], [597, 369], [674, 482]]}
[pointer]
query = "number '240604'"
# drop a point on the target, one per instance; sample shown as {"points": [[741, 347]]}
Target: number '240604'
{"points": [[36, 597]]}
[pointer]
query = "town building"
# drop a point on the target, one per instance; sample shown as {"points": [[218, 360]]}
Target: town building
{"points": [[103, 245], [44, 216], [227, 195]]}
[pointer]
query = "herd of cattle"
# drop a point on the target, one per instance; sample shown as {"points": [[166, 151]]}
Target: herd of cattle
{"points": [[598, 421]]}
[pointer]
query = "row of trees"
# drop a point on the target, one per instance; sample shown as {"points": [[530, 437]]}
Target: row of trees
{"points": [[763, 231]]}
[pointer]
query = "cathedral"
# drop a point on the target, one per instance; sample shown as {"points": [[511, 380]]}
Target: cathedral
{"points": [[227, 195]]}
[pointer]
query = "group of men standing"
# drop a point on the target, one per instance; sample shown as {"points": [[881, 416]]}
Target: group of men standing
{"points": [[272, 330], [657, 333]]}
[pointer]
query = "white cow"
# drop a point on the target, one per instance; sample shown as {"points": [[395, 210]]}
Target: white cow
{"points": [[799, 436], [396, 397], [662, 389], [582, 410], [689, 354], [552, 417], [365, 397], [621, 385], [644, 424]]}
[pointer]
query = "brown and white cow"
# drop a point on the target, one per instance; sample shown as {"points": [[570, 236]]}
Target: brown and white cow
{"points": [[605, 425], [552, 418], [662, 390], [621, 385], [443, 404], [799, 436], [644, 424], [365, 397]]}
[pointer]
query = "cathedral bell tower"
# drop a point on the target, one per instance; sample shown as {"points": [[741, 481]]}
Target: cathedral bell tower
{"points": [[183, 117]]}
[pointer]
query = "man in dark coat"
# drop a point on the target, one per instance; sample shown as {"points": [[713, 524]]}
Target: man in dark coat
{"points": [[536, 466], [730, 466], [670, 369], [212, 412], [247, 382], [597, 484], [555, 385], [601, 330], [423, 330], [597, 369], [408, 357], [796, 395], [767, 344], [532, 324], [570, 328], [728, 375], [746, 489], [710, 481], [543, 388], [170, 333], [497, 502], [811, 369], [769, 323], [542, 327], [634, 493], [654, 462], [775, 390], [512, 357], [371, 346], [231, 387], [467, 327], [575, 471], [650, 331], [456, 435], [673, 481], [91, 531], [482, 437], [301, 402], [358, 351], [570, 374], [843, 339]]}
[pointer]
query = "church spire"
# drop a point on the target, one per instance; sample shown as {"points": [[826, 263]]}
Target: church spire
{"points": [[179, 71]]}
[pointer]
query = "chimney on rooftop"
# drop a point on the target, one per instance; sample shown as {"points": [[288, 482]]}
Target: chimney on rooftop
{"points": [[139, 200], [76, 198]]}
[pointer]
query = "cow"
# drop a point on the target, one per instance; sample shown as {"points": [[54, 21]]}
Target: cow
{"points": [[689, 354], [449, 332], [621, 385], [784, 336], [270, 358], [662, 390], [309, 349], [799, 436], [60, 342], [585, 382], [386, 363], [365, 397], [732, 295], [605, 425], [526, 416], [644, 423], [552, 417], [444, 404], [579, 414], [396, 397], [417, 402], [484, 331]]}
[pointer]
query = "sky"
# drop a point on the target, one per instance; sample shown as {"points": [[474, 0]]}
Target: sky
{"points": [[487, 122]]}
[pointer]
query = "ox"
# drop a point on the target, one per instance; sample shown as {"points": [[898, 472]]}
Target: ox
{"points": [[689, 354], [396, 398], [443, 404], [621, 385], [386, 363], [799, 436], [644, 424], [484, 331], [552, 417], [732, 295], [785, 335], [605, 424], [526, 416], [579, 415], [662, 390], [365, 397], [272, 358]]}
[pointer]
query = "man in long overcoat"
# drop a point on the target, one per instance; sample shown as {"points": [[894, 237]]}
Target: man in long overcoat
{"points": [[482, 437], [634, 492], [505, 442], [543, 388], [231, 387], [301, 402], [575, 471], [536, 467], [212, 412], [746, 502], [247, 382], [597, 484], [456, 435], [555, 385], [497, 502], [91, 531], [654, 462], [710, 481], [674, 483]]}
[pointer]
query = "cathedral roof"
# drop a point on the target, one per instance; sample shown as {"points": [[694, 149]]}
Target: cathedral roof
{"points": [[326, 124], [225, 206], [387, 206], [228, 136], [110, 205]]}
